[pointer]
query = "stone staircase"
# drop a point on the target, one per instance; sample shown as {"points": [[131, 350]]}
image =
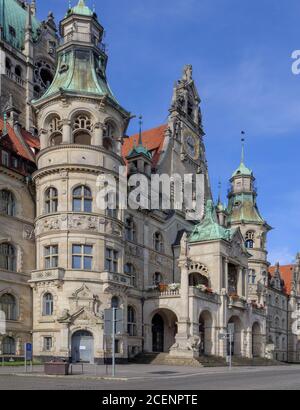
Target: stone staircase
{"points": [[202, 361]]}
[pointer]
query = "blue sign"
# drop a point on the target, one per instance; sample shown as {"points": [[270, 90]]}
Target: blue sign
{"points": [[28, 351]]}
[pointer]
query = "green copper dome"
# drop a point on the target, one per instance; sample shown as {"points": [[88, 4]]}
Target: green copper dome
{"points": [[140, 150], [13, 19], [243, 171], [81, 9], [209, 229]]}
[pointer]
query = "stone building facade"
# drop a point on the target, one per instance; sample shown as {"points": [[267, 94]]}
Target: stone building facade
{"points": [[181, 283]]}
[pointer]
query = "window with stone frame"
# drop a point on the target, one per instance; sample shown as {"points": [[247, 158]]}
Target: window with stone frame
{"points": [[109, 136], [8, 305], [249, 239], [158, 242], [48, 343], [82, 199], [51, 200], [51, 256], [131, 321], [157, 279], [8, 257], [48, 304], [111, 260], [82, 257], [83, 122], [129, 270], [9, 346], [130, 229], [7, 203]]}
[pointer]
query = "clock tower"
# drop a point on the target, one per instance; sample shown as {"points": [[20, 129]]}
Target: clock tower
{"points": [[185, 150]]}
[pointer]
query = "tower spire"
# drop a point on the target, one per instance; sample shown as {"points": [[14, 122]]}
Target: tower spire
{"points": [[140, 131], [243, 147], [219, 191]]}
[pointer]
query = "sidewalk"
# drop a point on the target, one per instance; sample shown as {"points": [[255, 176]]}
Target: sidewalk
{"points": [[135, 371]]}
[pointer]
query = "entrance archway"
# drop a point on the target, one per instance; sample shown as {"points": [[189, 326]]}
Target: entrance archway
{"points": [[205, 333], [82, 347], [256, 340], [235, 325], [164, 330]]}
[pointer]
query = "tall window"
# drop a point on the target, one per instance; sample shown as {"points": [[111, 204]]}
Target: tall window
{"points": [[131, 321], [8, 305], [130, 233], [158, 242], [9, 346], [130, 271], [8, 260], [82, 257], [51, 257], [7, 203], [48, 304], [111, 260], [249, 240], [108, 137], [115, 302], [157, 278], [5, 158], [51, 200], [82, 199], [48, 344], [18, 71]]}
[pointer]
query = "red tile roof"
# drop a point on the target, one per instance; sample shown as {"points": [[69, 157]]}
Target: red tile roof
{"points": [[286, 273], [153, 140], [16, 145]]}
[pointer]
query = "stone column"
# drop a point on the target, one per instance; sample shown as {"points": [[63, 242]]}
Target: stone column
{"points": [[67, 131], [226, 274], [64, 340], [98, 134]]}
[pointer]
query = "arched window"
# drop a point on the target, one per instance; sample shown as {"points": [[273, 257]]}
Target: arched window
{"points": [[51, 200], [8, 64], [7, 203], [158, 242], [18, 71], [283, 323], [8, 305], [47, 304], [157, 278], [56, 139], [82, 199], [130, 271], [108, 136], [131, 321], [115, 303], [277, 322], [130, 230], [83, 122], [9, 346], [249, 240], [82, 138], [8, 260]]}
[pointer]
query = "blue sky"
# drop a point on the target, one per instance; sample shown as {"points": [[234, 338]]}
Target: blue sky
{"points": [[241, 55]]}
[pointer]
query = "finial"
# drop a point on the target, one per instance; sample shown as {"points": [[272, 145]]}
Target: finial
{"points": [[140, 130], [29, 18], [243, 147], [219, 191]]}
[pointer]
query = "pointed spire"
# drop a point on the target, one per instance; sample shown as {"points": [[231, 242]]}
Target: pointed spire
{"points": [[140, 131], [219, 191], [33, 7], [243, 147]]}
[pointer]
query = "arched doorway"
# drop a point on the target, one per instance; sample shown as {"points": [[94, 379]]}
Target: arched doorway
{"points": [[82, 347], [235, 326], [205, 333], [256, 340], [158, 332], [164, 330]]}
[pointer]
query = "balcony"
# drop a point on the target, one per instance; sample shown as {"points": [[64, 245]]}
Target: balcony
{"points": [[164, 291], [118, 278], [47, 274], [15, 78], [237, 302], [204, 294]]}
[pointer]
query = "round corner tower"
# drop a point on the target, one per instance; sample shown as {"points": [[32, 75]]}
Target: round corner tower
{"points": [[80, 248]]}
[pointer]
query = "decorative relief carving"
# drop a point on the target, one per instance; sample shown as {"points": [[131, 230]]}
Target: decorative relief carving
{"points": [[28, 232]]}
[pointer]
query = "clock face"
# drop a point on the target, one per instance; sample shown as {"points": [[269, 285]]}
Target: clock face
{"points": [[192, 146]]}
